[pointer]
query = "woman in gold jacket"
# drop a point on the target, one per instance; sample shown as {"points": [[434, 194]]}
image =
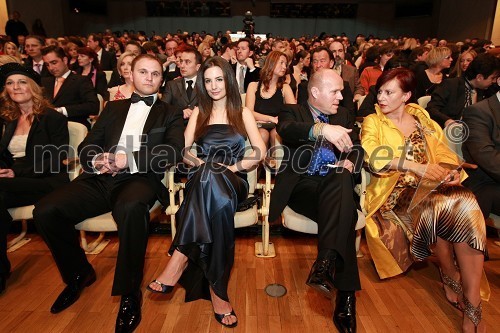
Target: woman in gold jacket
{"points": [[414, 201]]}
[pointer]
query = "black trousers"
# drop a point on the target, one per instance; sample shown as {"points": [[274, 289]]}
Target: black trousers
{"points": [[330, 202], [128, 197], [486, 190], [16, 192]]}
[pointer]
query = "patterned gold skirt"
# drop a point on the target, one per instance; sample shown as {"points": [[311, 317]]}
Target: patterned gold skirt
{"points": [[449, 212]]}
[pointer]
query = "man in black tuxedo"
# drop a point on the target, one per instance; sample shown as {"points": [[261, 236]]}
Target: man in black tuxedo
{"points": [[245, 69], [180, 92], [33, 46], [452, 96], [72, 94], [322, 193], [124, 157], [322, 57], [107, 60]]}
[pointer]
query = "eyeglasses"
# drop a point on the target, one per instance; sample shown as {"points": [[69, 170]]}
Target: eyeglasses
{"points": [[448, 57]]}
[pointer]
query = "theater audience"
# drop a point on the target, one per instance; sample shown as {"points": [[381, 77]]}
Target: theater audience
{"points": [[203, 248], [124, 67], [89, 67], [463, 62], [33, 46], [72, 94], [107, 60], [10, 49], [27, 174], [266, 97], [369, 75], [71, 50], [408, 221], [438, 59], [451, 97]]}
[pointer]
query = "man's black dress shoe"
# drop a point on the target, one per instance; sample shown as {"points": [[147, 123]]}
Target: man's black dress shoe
{"points": [[129, 315], [321, 276], [72, 292], [344, 315]]}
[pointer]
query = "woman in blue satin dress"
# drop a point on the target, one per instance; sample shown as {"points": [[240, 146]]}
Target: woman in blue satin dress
{"points": [[203, 248]]}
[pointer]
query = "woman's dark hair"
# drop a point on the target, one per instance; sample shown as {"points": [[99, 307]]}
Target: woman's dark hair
{"points": [[234, 108], [91, 54], [302, 54], [404, 76], [396, 62], [267, 72]]}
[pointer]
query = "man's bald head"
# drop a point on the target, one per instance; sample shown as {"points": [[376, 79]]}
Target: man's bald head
{"points": [[324, 89]]}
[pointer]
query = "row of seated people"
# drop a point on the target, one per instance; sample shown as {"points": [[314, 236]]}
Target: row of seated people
{"points": [[317, 182]]}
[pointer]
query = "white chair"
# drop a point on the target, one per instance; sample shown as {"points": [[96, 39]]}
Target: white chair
{"points": [[423, 101], [105, 223], [108, 75], [297, 222], [244, 218], [77, 133]]}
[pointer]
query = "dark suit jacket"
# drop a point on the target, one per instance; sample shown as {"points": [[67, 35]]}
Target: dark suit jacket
{"points": [[162, 145], [175, 94], [448, 100], [249, 76], [347, 95], [108, 61], [482, 146], [28, 62], [46, 148], [350, 75], [115, 80], [295, 122], [77, 95]]}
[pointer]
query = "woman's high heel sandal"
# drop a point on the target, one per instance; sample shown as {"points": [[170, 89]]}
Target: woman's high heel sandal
{"points": [[165, 289], [472, 312], [455, 286]]}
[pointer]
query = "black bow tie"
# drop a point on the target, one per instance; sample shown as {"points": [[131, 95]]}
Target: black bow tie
{"points": [[135, 98]]}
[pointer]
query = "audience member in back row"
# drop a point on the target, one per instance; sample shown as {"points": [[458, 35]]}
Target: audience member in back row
{"points": [[27, 173], [370, 75], [416, 206], [89, 67], [181, 91], [322, 57], [368, 105], [451, 97], [438, 59], [33, 46], [124, 68], [482, 147], [463, 62], [266, 97], [72, 94]]}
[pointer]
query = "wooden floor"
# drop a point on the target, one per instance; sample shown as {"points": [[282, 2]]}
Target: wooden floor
{"points": [[410, 303]]}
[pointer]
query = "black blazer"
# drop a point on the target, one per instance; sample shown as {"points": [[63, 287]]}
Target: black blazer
{"points": [[108, 61], [162, 146], [347, 96], [249, 76], [28, 62], [46, 148], [77, 94], [295, 122], [448, 100], [175, 94], [482, 146], [169, 76]]}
